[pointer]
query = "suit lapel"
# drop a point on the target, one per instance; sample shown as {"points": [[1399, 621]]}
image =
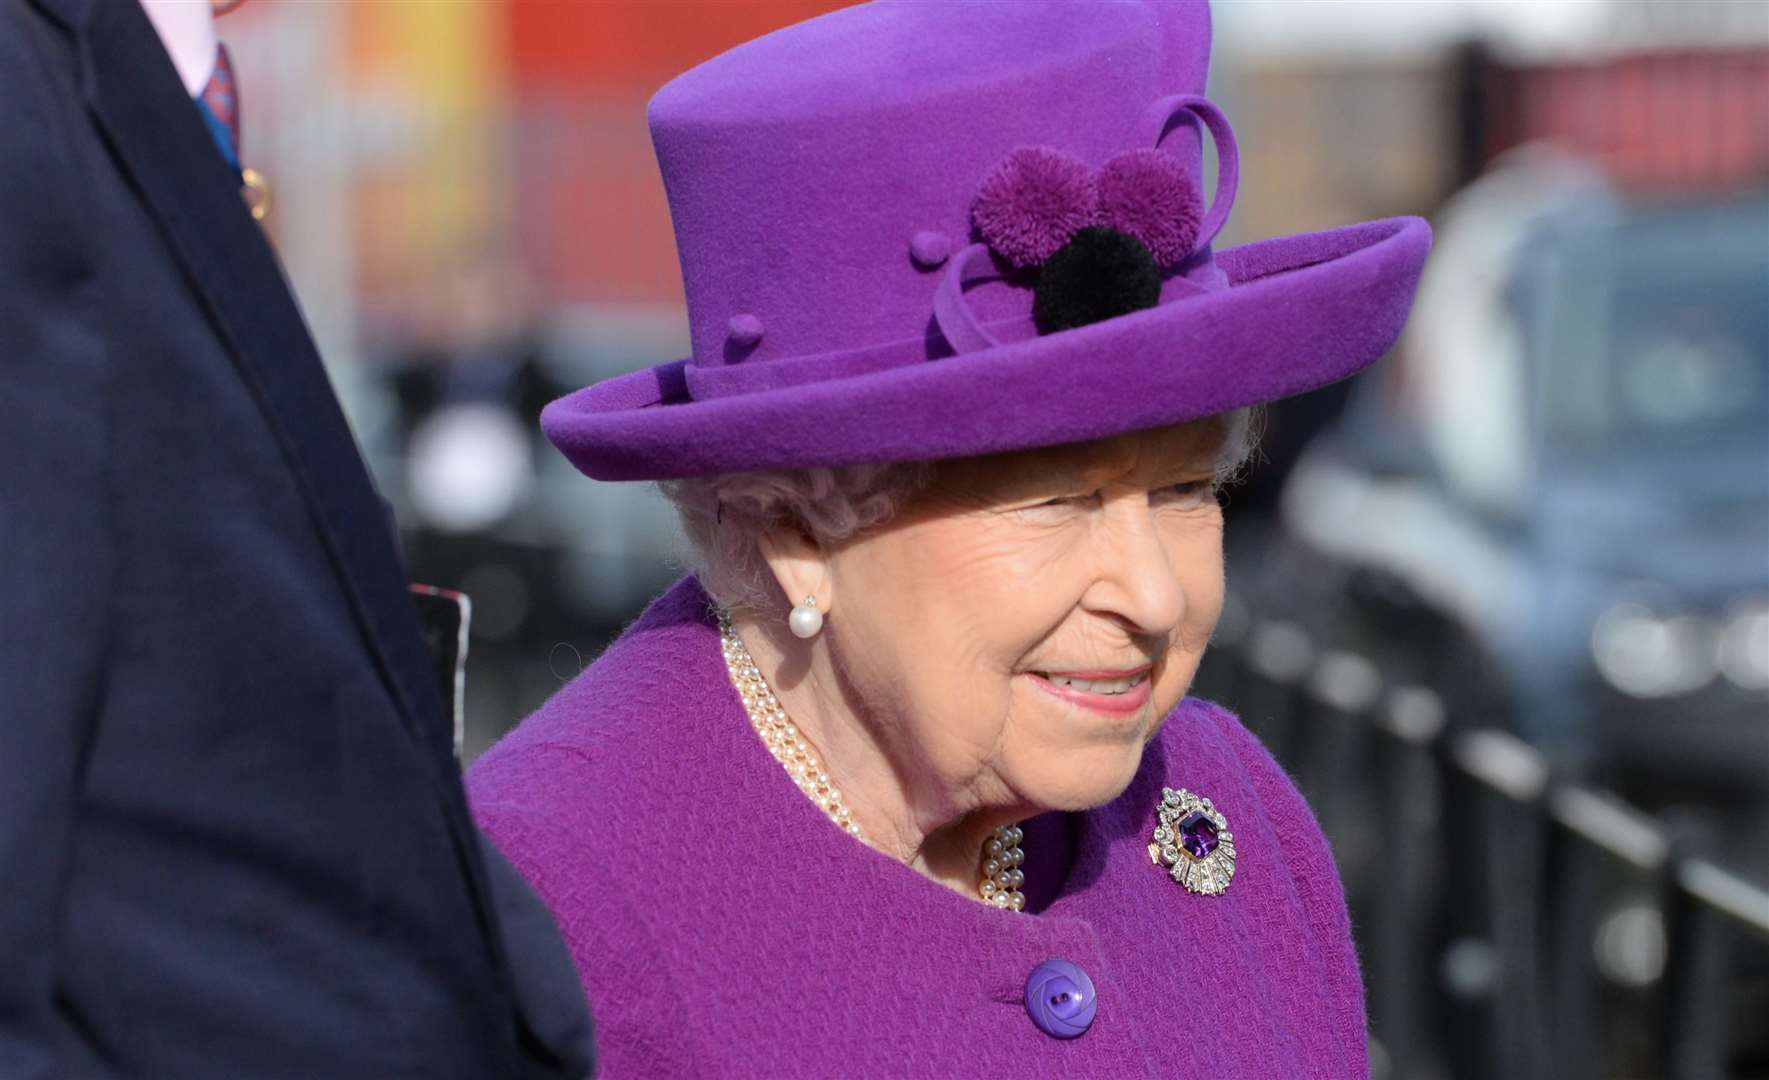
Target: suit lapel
{"points": [[159, 140]]}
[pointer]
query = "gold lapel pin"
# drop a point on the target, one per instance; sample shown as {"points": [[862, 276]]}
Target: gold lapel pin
{"points": [[256, 191]]}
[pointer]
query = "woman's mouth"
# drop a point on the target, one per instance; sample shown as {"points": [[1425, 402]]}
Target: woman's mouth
{"points": [[1113, 692]]}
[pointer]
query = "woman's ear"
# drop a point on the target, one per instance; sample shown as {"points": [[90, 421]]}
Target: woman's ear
{"points": [[799, 564]]}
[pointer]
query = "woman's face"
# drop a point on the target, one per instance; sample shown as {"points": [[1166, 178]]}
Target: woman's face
{"points": [[1019, 631]]}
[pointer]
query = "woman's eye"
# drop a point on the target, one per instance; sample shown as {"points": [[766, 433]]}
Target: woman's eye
{"points": [[1192, 492]]}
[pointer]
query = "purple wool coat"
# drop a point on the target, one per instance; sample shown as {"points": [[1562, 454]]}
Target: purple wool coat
{"points": [[723, 926]]}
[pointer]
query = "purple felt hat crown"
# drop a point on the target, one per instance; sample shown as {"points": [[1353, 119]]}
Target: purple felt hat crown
{"points": [[919, 229]]}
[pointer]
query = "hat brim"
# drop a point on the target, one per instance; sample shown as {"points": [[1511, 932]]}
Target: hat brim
{"points": [[1300, 312]]}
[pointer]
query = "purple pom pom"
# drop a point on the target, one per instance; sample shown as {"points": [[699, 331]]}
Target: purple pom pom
{"points": [[1147, 194], [1033, 204]]}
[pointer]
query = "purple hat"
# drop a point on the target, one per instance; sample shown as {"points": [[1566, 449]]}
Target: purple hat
{"points": [[914, 230]]}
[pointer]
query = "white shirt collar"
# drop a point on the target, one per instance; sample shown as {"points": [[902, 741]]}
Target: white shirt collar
{"points": [[187, 30]]}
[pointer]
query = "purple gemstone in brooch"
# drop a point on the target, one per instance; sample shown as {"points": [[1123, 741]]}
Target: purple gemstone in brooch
{"points": [[1192, 840], [1197, 834]]}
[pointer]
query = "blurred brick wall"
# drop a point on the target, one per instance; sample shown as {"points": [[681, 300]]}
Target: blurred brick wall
{"points": [[592, 221], [1659, 122]]}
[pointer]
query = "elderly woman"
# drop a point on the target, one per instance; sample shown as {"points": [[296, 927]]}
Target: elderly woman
{"points": [[903, 781]]}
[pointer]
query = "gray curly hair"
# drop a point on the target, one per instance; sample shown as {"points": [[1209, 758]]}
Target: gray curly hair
{"points": [[724, 514]]}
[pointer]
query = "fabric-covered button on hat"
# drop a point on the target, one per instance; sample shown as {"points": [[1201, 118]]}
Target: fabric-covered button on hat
{"points": [[1060, 999], [930, 249], [744, 330]]}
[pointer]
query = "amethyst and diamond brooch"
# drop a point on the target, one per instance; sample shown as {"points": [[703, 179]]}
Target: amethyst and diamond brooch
{"points": [[1192, 840]]}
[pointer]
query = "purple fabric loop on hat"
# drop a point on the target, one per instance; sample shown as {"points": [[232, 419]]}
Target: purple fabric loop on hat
{"points": [[1228, 158], [713, 381], [959, 324]]}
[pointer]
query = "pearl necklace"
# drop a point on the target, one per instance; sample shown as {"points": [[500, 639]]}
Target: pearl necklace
{"points": [[778, 733], [1001, 876]]}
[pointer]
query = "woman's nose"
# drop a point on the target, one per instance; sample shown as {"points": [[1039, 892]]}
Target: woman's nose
{"points": [[1137, 580]]}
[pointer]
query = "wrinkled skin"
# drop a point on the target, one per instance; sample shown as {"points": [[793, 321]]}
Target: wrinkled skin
{"points": [[920, 694]]}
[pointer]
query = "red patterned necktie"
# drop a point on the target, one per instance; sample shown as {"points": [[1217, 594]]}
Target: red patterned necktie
{"points": [[220, 106], [221, 100]]}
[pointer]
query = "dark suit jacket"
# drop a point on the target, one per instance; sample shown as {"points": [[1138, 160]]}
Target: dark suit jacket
{"points": [[233, 839]]}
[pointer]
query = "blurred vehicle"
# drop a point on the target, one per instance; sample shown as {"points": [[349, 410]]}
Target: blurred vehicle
{"points": [[1555, 504]]}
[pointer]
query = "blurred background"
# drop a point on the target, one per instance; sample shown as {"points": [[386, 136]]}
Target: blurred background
{"points": [[1502, 604]]}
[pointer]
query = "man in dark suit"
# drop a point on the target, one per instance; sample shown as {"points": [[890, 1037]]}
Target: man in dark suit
{"points": [[233, 841]]}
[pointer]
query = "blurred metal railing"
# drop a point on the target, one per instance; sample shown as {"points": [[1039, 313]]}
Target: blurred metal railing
{"points": [[1511, 924]]}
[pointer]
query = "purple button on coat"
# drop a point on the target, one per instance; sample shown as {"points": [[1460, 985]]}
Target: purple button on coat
{"points": [[1060, 999]]}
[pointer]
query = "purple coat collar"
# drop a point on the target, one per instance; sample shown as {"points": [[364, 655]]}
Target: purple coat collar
{"points": [[722, 925]]}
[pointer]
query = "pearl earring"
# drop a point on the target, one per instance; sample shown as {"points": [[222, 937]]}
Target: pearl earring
{"points": [[805, 619]]}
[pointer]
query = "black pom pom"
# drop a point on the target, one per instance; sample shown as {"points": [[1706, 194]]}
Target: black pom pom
{"points": [[1100, 274]]}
